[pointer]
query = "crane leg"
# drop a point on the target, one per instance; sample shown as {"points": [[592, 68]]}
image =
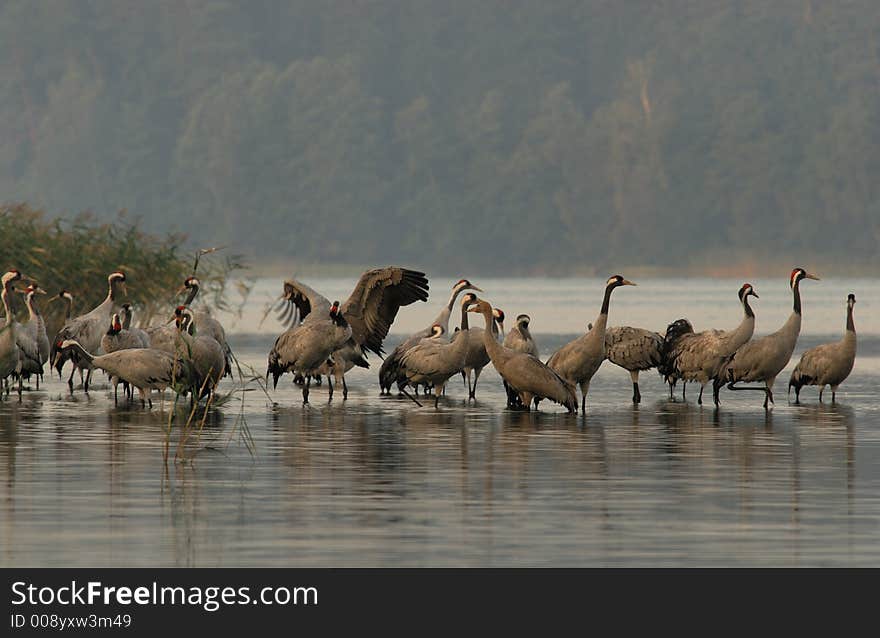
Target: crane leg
{"points": [[477, 372], [700, 398], [330, 387], [344, 389], [87, 381], [70, 379], [637, 396], [768, 393], [585, 387], [308, 380], [821, 390], [684, 387], [437, 392]]}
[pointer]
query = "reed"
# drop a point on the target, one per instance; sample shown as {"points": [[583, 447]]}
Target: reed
{"points": [[77, 254]]}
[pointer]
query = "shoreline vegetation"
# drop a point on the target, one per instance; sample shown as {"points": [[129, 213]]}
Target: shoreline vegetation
{"points": [[78, 253]]}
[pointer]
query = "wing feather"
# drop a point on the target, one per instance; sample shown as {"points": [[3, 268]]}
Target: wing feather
{"points": [[373, 304]]}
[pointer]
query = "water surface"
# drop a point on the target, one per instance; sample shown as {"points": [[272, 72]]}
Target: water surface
{"points": [[376, 481]]}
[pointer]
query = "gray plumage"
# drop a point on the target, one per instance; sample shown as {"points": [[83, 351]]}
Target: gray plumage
{"points": [[207, 325], [207, 357], [36, 326], [519, 338], [701, 356], [578, 360], [634, 350], [88, 329], [763, 359], [27, 338], [10, 358], [118, 338], [388, 372], [477, 358], [140, 335], [367, 314], [305, 349], [144, 368], [829, 363], [525, 374], [433, 361]]}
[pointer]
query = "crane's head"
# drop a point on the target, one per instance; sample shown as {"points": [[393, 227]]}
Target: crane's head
{"points": [[183, 318], [34, 289], [745, 291], [437, 330], [190, 283], [337, 315], [468, 300], [798, 274], [117, 278], [617, 280], [523, 320], [9, 276], [115, 325], [851, 300], [66, 294], [480, 306], [464, 284]]}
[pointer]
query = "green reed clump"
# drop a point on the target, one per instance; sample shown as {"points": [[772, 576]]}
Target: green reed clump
{"points": [[78, 254]]}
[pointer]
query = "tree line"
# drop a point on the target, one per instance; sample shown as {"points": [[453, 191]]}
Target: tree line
{"points": [[510, 136]]}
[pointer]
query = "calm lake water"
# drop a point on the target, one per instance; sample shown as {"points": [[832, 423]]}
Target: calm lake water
{"points": [[377, 481]]}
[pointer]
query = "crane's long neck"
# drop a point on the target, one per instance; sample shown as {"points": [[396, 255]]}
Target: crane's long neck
{"points": [[126, 318], [443, 318], [464, 319], [850, 325], [493, 348], [747, 309], [33, 313], [745, 329], [6, 305], [796, 294], [69, 310], [193, 291], [524, 330], [602, 319], [85, 354]]}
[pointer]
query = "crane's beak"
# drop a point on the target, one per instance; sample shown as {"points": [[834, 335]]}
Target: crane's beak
{"points": [[478, 289], [180, 291], [754, 294], [627, 282], [52, 298], [811, 276]]}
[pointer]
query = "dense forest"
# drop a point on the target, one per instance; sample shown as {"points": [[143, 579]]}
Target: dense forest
{"points": [[509, 136]]}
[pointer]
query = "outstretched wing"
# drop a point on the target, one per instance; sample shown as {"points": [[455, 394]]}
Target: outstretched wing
{"points": [[378, 295], [299, 301]]}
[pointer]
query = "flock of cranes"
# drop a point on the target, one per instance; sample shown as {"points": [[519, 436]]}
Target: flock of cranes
{"points": [[429, 358], [325, 340], [154, 359]]}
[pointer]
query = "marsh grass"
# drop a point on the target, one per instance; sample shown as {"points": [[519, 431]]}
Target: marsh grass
{"points": [[77, 254]]}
